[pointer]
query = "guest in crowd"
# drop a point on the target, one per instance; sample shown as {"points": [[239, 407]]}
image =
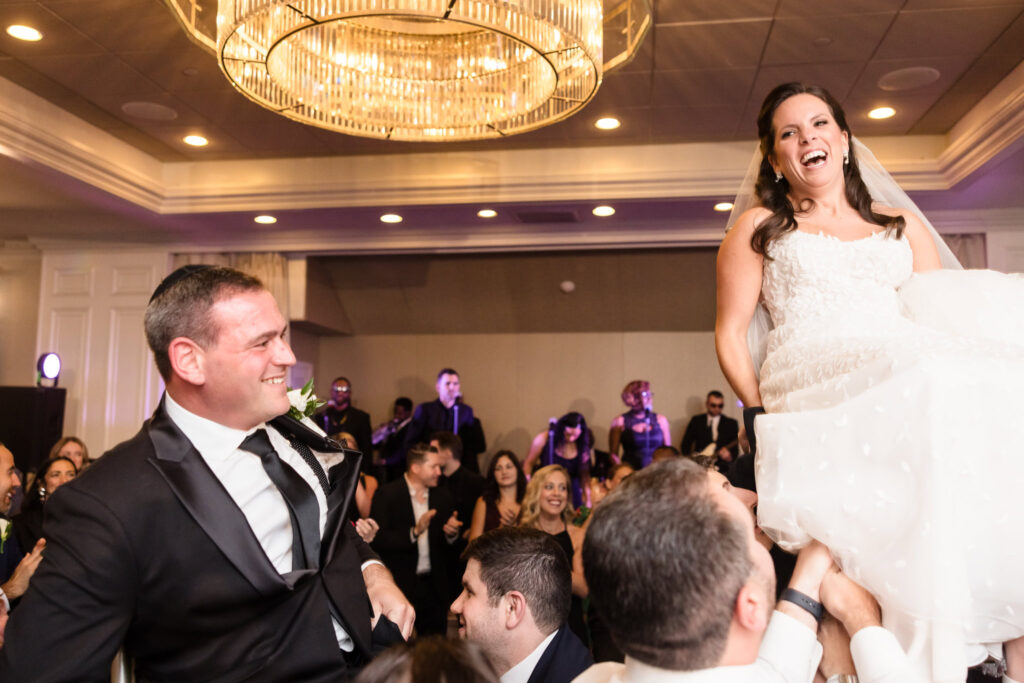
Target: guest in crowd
{"points": [[568, 443], [710, 428], [638, 430], [662, 453], [464, 487], [389, 440], [16, 568], [503, 492], [447, 413], [616, 473], [433, 659], [547, 506], [417, 521], [53, 473], [73, 448], [339, 415], [697, 595], [514, 604], [366, 486]]}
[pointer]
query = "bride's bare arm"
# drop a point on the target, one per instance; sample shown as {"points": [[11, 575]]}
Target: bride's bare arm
{"points": [[739, 288]]}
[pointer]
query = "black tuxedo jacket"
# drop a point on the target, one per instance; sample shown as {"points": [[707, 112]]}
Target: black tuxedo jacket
{"points": [[148, 550], [698, 434], [564, 659], [392, 510], [354, 421]]}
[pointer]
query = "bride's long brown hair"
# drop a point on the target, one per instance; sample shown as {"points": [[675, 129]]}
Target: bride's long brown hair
{"points": [[774, 195]]}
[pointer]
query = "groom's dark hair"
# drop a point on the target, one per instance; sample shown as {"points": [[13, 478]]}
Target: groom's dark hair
{"points": [[181, 305]]}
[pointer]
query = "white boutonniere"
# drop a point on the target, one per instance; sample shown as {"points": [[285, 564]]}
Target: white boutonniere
{"points": [[5, 532], [303, 401]]}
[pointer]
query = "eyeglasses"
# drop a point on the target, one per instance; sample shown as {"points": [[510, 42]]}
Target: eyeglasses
{"points": [[716, 405]]}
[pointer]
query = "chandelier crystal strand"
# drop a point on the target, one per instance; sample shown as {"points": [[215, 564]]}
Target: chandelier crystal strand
{"points": [[406, 70]]}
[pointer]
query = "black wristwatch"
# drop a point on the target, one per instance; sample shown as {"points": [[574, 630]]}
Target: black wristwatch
{"points": [[813, 607]]}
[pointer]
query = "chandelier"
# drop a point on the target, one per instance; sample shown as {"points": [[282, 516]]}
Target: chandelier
{"points": [[441, 70]]}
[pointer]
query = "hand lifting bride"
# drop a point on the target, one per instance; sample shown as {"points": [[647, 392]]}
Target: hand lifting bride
{"points": [[892, 382]]}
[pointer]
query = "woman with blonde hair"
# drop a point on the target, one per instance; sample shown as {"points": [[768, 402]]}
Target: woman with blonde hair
{"points": [[546, 506], [74, 449]]}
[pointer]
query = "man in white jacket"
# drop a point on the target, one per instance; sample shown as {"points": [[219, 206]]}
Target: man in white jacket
{"points": [[688, 593]]}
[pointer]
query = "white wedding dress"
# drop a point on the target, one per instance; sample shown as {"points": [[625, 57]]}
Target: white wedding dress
{"points": [[894, 434]]}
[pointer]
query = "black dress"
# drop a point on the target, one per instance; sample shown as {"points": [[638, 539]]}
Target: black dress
{"points": [[576, 622]]}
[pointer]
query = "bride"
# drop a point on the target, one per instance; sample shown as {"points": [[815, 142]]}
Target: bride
{"points": [[890, 386]]}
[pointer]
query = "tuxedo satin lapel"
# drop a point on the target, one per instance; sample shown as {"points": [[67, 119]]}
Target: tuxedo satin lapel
{"points": [[205, 499], [343, 477]]}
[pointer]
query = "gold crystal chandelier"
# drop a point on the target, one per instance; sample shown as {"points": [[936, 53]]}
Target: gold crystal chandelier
{"points": [[414, 69], [439, 70]]}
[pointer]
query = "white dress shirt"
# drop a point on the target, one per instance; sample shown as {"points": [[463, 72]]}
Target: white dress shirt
{"points": [[420, 508], [789, 653], [242, 475], [713, 424], [521, 672]]}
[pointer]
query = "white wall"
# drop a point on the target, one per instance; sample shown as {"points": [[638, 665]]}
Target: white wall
{"points": [[515, 382], [91, 308]]}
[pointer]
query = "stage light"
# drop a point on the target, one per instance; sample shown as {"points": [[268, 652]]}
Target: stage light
{"points": [[47, 367]]}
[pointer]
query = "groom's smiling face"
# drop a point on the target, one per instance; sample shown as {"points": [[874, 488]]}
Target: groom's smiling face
{"points": [[8, 479]]}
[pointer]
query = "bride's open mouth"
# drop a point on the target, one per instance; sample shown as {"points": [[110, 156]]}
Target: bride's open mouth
{"points": [[814, 159]]}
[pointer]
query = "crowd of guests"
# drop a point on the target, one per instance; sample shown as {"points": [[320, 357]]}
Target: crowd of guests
{"points": [[536, 569]]}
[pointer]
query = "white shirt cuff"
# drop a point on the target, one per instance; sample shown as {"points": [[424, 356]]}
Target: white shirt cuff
{"points": [[878, 657]]}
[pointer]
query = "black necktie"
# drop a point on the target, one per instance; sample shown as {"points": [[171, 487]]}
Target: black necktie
{"points": [[302, 504]]}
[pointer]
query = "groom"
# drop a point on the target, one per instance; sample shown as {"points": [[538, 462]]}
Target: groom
{"points": [[212, 545]]}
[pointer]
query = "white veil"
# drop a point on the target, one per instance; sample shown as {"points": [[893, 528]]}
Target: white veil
{"points": [[883, 189]]}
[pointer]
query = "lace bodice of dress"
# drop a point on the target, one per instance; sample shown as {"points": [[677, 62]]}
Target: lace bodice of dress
{"points": [[835, 307], [818, 281]]}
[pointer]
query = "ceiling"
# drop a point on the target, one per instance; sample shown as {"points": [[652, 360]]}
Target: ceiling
{"points": [[697, 79]]}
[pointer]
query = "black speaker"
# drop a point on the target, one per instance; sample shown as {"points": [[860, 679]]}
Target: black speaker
{"points": [[31, 421]]}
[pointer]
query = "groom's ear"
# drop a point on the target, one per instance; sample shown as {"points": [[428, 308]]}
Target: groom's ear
{"points": [[187, 360]]}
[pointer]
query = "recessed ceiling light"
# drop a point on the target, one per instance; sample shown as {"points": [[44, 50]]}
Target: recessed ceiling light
{"points": [[265, 219], [24, 33], [882, 113], [723, 206], [487, 213], [195, 140], [607, 123], [391, 218], [603, 211]]}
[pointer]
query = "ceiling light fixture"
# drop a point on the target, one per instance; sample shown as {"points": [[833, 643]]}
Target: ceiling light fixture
{"points": [[24, 33], [723, 206], [415, 69], [603, 211], [487, 213], [195, 140], [607, 123], [391, 218], [882, 113], [265, 220]]}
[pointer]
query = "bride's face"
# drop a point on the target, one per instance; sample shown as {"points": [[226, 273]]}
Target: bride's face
{"points": [[809, 145]]}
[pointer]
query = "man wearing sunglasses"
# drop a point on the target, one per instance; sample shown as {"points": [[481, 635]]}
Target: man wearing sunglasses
{"points": [[715, 428]]}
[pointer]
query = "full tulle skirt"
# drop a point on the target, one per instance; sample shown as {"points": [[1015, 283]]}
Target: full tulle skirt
{"points": [[905, 456]]}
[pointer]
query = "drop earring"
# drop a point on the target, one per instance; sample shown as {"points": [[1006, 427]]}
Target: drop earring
{"points": [[778, 177], [846, 157]]}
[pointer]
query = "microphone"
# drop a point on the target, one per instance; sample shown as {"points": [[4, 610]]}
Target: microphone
{"points": [[458, 398]]}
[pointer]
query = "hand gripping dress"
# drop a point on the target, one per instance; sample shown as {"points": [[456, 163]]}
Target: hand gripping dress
{"points": [[894, 435]]}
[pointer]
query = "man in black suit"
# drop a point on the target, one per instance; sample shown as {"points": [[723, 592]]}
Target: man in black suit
{"points": [[448, 413], [212, 545], [465, 488], [713, 427], [339, 415], [417, 522], [514, 605], [16, 568]]}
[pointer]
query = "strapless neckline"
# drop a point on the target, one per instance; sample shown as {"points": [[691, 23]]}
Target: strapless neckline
{"points": [[833, 238]]}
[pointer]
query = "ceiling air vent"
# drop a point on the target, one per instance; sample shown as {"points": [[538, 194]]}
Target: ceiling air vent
{"points": [[547, 217]]}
